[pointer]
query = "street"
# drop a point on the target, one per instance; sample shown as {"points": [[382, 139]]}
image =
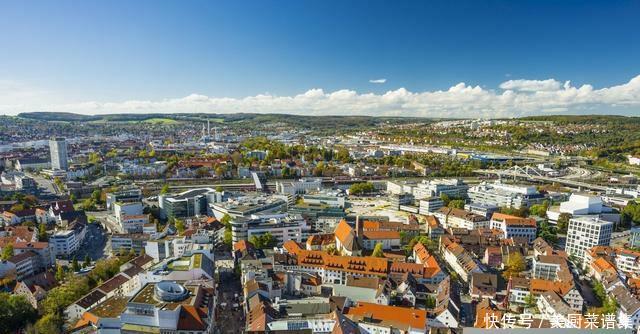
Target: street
{"points": [[95, 243], [230, 319]]}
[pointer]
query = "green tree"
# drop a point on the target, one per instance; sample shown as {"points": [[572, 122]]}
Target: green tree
{"points": [[164, 190], [378, 251], [445, 199], [179, 226], [60, 274], [539, 210], [530, 300], [7, 251], [456, 203], [631, 214], [42, 232], [515, 265], [49, 323], [226, 219], [547, 233], [15, 312], [87, 261], [361, 188], [563, 222], [75, 266]]}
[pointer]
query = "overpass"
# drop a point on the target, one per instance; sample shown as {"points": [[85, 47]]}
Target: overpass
{"points": [[530, 173]]}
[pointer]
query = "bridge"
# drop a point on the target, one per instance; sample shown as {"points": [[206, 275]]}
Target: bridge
{"points": [[530, 173]]}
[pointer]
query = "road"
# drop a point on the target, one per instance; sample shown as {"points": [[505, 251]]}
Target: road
{"points": [[231, 320], [95, 243], [46, 185]]}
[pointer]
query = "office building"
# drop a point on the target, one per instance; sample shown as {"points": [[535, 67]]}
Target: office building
{"points": [[505, 195], [58, 149], [585, 232]]}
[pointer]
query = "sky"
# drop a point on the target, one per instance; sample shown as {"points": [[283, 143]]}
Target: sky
{"points": [[392, 58]]}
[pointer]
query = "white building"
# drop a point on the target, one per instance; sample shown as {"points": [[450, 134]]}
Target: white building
{"points": [[514, 227], [581, 204], [58, 150], [301, 186], [505, 195], [585, 232]]}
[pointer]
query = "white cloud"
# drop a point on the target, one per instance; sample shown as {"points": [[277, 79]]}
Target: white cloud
{"points": [[531, 85], [515, 98], [377, 81]]}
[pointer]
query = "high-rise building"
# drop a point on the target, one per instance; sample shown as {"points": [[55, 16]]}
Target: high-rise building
{"points": [[58, 149], [585, 232]]}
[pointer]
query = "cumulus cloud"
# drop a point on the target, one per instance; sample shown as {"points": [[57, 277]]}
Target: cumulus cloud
{"points": [[377, 81], [514, 98], [531, 85]]}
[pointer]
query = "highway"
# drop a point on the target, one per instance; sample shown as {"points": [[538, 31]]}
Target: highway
{"points": [[568, 182]]}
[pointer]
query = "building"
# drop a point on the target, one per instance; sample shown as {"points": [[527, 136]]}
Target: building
{"points": [[282, 227], [585, 232], [459, 218], [246, 206], [124, 196], [298, 187], [582, 204], [514, 227], [505, 195], [374, 318], [429, 205], [190, 203], [59, 156]]}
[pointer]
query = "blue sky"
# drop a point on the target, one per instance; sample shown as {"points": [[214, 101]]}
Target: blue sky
{"points": [[69, 54]]}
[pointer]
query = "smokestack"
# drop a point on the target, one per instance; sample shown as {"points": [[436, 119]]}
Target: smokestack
{"points": [[208, 128], [359, 230]]}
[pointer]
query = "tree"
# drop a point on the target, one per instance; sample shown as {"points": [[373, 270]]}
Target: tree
{"points": [[456, 203], [179, 226], [42, 232], [87, 261], [49, 323], [563, 222], [631, 213], [429, 302], [60, 274], [530, 300], [266, 240], [226, 219], [515, 265], [361, 188], [547, 233], [220, 171], [95, 195], [75, 266], [378, 251], [445, 199], [16, 312], [7, 251], [219, 189], [539, 210], [164, 190]]}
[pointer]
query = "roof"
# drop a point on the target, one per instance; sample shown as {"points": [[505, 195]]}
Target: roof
{"points": [[345, 234], [395, 316], [90, 299], [113, 283], [354, 264], [381, 235], [31, 245], [514, 221], [462, 214], [141, 260], [22, 257], [243, 246], [192, 319]]}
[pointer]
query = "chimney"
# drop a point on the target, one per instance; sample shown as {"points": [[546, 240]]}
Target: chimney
{"points": [[359, 230]]}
